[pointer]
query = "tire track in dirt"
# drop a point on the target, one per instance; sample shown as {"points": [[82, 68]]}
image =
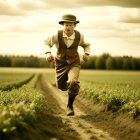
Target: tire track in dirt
{"points": [[85, 129]]}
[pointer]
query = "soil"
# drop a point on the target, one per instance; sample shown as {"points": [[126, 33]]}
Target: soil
{"points": [[90, 122]]}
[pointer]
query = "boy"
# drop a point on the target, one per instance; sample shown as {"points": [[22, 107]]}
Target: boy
{"points": [[67, 61]]}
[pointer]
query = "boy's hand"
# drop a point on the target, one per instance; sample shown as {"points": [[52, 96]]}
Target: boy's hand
{"points": [[86, 57], [49, 57]]}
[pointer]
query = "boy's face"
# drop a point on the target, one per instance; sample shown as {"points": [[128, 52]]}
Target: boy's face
{"points": [[69, 27]]}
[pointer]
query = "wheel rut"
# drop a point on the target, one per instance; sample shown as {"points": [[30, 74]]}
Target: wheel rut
{"points": [[80, 127]]}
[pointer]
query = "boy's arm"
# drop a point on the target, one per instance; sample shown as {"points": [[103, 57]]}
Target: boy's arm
{"points": [[86, 46], [48, 43]]}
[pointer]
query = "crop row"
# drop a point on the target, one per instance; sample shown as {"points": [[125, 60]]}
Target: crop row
{"points": [[5, 86], [12, 77], [117, 90], [19, 107], [114, 99]]}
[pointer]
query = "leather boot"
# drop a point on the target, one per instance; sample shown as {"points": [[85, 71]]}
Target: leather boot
{"points": [[70, 110]]}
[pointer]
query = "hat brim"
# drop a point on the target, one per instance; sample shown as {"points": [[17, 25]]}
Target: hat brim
{"points": [[63, 21]]}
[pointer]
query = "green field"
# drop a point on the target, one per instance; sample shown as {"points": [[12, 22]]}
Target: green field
{"points": [[9, 81], [19, 105], [118, 90]]}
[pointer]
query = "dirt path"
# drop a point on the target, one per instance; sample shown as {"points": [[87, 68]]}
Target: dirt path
{"points": [[79, 126]]}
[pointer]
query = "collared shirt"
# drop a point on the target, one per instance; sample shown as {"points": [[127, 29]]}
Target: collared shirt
{"points": [[53, 40], [68, 39]]}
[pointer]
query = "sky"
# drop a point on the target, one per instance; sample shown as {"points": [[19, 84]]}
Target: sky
{"points": [[111, 26]]}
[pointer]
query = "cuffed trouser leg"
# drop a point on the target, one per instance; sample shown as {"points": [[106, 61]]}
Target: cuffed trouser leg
{"points": [[73, 88], [73, 83]]}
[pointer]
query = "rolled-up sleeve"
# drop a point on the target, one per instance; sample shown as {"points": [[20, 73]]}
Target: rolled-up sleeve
{"points": [[49, 42], [84, 44]]}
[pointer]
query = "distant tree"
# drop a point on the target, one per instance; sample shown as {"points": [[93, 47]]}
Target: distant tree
{"points": [[43, 63], [92, 61], [105, 56], [138, 61], [1, 61], [126, 63], [100, 61], [32, 61], [18, 61], [134, 64], [110, 63], [119, 63], [90, 64], [5, 61]]}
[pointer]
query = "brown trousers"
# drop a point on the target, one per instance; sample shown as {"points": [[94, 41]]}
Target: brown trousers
{"points": [[67, 78]]}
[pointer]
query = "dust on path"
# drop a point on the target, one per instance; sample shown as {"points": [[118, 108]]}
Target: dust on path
{"points": [[57, 101]]}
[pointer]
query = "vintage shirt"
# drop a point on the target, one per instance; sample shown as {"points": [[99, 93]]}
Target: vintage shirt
{"points": [[53, 40]]}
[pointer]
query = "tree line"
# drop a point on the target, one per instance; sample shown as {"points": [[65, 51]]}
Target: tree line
{"points": [[104, 61]]}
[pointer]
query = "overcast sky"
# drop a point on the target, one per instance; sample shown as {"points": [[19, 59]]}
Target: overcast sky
{"points": [[111, 26]]}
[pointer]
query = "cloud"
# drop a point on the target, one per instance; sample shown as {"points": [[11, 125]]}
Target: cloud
{"points": [[97, 22], [23, 7], [130, 16], [33, 23], [120, 3], [31, 5], [132, 20], [7, 9], [58, 4], [84, 3]]}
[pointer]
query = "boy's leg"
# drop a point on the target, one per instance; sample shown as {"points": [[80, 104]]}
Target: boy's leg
{"points": [[73, 88], [61, 77]]}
